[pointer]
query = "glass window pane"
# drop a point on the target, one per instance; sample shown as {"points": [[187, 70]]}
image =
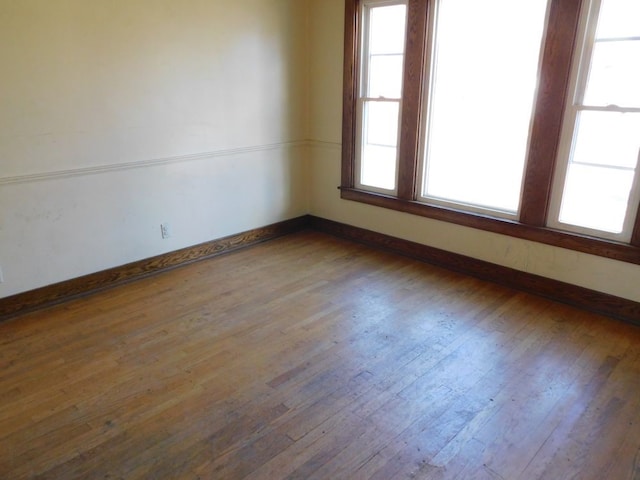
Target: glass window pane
{"points": [[614, 76], [596, 197], [386, 31], [378, 167], [382, 73], [607, 138], [379, 152], [480, 109], [385, 76], [381, 123], [619, 18]]}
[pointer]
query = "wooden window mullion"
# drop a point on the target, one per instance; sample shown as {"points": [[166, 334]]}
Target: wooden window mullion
{"points": [[350, 92], [554, 82], [413, 81], [635, 236]]}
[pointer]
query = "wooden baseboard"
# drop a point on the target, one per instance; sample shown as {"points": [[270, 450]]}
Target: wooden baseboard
{"points": [[77, 287], [580, 297]]}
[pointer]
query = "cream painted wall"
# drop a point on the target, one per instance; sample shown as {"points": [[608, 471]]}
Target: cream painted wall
{"points": [[117, 115], [597, 273]]}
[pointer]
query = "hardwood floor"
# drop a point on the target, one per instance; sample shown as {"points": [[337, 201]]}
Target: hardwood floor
{"points": [[309, 357]]}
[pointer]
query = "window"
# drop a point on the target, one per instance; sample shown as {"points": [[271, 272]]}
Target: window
{"points": [[528, 127], [382, 47], [596, 190], [481, 83]]}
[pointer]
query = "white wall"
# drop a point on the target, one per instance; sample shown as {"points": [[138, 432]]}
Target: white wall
{"points": [[597, 273], [117, 115]]}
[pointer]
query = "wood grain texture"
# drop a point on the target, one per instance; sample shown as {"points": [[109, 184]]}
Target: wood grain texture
{"points": [[350, 92], [635, 237], [64, 291], [547, 122], [312, 357], [413, 81], [591, 300]]}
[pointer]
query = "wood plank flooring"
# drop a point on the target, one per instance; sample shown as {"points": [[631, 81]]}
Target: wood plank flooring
{"points": [[309, 357]]}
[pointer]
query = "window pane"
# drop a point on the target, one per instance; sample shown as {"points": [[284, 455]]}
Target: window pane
{"points": [[600, 175], [386, 31], [379, 152], [619, 18], [614, 77], [607, 138], [596, 197], [385, 76], [480, 110], [378, 167], [381, 123]]}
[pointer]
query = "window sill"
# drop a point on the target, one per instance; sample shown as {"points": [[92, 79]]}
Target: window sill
{"points": [[594, 246]]}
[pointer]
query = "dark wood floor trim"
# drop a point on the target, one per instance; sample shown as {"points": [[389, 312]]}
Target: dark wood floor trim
{"points": [[67, 290], [584, 298]]}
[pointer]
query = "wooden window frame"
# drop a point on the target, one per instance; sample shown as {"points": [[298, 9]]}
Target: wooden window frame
{"points": [[364, 96], [555, 73]]}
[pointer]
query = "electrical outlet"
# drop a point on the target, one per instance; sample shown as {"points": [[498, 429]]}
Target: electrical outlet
{"points": [[1, 276], [165, 231]]}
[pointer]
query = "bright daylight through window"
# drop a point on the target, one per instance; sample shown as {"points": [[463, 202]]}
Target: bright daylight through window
{"points": [[379, 103], [517, 117], [597, 189], [482, 88]]}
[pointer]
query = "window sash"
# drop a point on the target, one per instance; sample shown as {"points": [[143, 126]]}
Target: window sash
{"points": [[484, 204], [365, 99], [566, 158], [364, 144]]}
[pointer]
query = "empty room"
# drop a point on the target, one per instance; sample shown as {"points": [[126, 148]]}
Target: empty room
{"points": [[319, 239]]}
